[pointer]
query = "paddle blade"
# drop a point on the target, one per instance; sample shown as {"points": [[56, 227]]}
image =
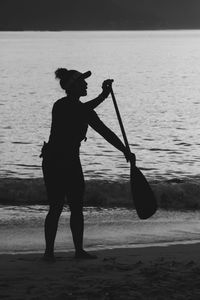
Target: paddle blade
{"points": [[143, 196]]}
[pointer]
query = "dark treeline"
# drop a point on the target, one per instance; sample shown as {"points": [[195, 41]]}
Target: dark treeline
{"points": [[99, 15]]}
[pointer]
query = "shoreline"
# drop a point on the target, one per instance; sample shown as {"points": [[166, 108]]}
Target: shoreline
{"points": [[22, 229], [142, 273], [179, 250], [109, 248]]}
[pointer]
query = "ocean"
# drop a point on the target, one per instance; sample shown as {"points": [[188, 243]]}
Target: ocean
{"points": [[156, 82]]}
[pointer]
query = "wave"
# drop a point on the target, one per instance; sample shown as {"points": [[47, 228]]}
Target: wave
{"points": [[178, 194]]}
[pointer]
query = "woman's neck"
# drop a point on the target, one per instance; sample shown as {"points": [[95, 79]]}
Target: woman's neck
{"points": [[73, 98]]}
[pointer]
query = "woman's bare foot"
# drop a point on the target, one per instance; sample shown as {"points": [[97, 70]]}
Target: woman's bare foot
{"points": [[49, 257], [82, 254]]}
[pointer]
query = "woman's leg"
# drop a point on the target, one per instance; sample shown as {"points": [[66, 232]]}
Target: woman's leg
{"points": [[77, 229], [51, 226], [77, 226], [54, 183], [75, 195]]}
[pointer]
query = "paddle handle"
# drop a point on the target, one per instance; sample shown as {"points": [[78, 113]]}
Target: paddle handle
{"points": [[120, 121]]}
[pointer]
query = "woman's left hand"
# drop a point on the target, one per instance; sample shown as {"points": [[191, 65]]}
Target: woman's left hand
{"points": [[106, 86], [130, 157]]}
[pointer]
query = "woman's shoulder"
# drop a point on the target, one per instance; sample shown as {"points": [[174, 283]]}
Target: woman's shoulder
{"points": [[60, 104], [60, 101]]}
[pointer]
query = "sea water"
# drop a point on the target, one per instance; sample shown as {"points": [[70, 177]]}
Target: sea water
{"points": [[21, 229], [156, 82]]}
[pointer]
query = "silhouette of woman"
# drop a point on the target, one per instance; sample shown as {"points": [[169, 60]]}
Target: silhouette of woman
{"points": [[61, 165]]}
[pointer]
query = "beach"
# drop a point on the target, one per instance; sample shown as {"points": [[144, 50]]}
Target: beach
{"points": [[171, 272], [156, 82]]}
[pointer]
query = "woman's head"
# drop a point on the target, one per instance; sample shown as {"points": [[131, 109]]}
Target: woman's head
{"points": [[72, 81]]}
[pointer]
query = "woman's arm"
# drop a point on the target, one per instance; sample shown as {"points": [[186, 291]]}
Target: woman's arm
{"points": [[108, 134], [106, 86], [92, 104]]}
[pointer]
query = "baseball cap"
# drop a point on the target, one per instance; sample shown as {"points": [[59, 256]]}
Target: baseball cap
{"points": [[73, 75]]}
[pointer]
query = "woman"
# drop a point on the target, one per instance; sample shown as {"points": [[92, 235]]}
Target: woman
{"points": [[61, 165]]}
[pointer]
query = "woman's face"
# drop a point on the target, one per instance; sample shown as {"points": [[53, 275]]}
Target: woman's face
{"points": [[79, 88]]}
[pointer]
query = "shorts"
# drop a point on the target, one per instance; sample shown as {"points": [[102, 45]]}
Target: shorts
{"points": [[64, 181]]}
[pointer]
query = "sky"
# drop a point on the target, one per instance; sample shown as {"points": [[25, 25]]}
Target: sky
{"points": [[96, 14]]}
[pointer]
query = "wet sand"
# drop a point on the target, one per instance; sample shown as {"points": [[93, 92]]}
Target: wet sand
{"points": [[171, 272]]}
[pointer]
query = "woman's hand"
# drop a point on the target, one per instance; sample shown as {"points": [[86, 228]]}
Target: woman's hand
{"points": [[130, 157], [106, 86]]}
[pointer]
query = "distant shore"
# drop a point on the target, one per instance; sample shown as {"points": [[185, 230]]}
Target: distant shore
{"points": [[98, 29], [171, 272]]}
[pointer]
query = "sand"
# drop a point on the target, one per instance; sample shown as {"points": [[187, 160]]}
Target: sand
{"points": [[171, 272]]}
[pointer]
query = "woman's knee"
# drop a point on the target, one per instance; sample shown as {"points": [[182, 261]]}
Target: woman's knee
{"points": [[55, 209], [76, 209]]}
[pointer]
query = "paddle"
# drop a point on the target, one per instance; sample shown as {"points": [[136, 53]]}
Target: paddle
{"points": [[142, 194]]}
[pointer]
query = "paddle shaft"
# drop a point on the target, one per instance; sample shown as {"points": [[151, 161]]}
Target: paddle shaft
{"points": [[120, 121]]}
